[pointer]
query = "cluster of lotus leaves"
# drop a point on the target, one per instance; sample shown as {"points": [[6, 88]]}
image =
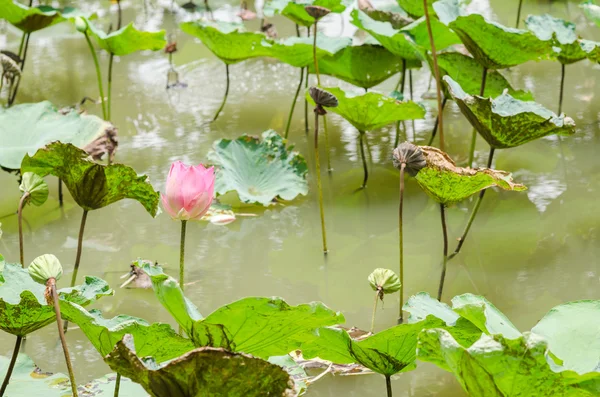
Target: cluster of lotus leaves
{"points": [[506, 122], [371, 110], [296, 12], [32, 19], [92, 185], [28, 127], [259, 170]]}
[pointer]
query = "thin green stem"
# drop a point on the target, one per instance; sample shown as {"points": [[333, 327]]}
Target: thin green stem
{"points": [[562, 88], [401, 243], [79, 247], [60, 192], [117, 385], [319, 185], [374, 311], [98, 74], [226, 93], [305, 88], [21, 45], [444, 265], [109, 93], [474, 133], [327, 148], [519, 13], [437, 121], [52, 284], [400, 84], [12, 97], [11, 365], [20, 220], [388, 385], [289, 121], [315, 55], [182, 254], [364, 160], [438, 83]]}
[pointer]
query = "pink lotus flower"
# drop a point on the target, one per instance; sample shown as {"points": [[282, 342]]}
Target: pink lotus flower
{"points": [[189, 191]]}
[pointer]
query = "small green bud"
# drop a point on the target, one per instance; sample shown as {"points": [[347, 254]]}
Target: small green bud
{"points": [[385, 281], [36, 186], [80, 25], [44, 268]]}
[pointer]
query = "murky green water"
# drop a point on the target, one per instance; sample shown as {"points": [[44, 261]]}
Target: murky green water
{"points": [[527, 252]]}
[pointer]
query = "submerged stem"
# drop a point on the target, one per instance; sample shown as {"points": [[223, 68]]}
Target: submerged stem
{"points": [[226, 93], [11, 365], [182, 254], [388, 385], [98, 74], [474, 136], [401, 243], [437, 121], [52, 284], [364, 160], [436, 69], [562, 88], [444, 265], [20, 220], [374, 310], [289, 121], [319, 186]]}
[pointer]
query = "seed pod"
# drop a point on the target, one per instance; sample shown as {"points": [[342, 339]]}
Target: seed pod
{"points": [[44, 268], [322, 98], [80, 25], [385, 281], [36, 186], [317, 12], [411, 155]]}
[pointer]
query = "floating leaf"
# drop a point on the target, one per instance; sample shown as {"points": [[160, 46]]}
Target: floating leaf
{"points": [[496, 46], [448, 184], [92, 185], [259, 170], [28, 127], [204, 371], [506, 122], [127, 40], [36, 188], [500, 367], [298, 51], [364, 66], [23, 307], [572, 331], [31, 19], [369, 111], [296, 12]]}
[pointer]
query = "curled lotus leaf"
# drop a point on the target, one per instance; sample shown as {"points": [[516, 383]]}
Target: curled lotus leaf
{"points": [[92, 185], [259, 170], [384, 280], [127, 40], [204, 371], [448, 184], [506, 122], [23, 307], [45, 267], [496, 366], [296, 10], [496, 46], [591, 11], [28, 127], [411, 156], [391, 13], [36, 188], [32, 19], [317, 12], [371, 110]]}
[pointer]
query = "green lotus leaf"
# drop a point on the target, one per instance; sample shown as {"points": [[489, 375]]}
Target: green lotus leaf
{"points": [[364, 65], [391, 13], [592, 49], [496, 46], [296, 372], [506, 122], [23, 307], [443, 36], [467, 72], [448, 184], [28, 127], [298, 51], [29, 380], [415, 8], [92, 185], [228, 41], [204, 371], [127, 40], [31, 19], [483, 314], [499, 367], [561, 34], [572, 331], [36, 188], [592, 11], [157, 340], [259, 326], [294, 9], [260, 171], [369, 111]]}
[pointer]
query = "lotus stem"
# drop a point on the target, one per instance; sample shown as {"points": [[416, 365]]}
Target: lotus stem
{"points": [[397, 140], [12, 97], [79, 247], [438, 83], [400, 85], [374, 310], [305, 88], [388, 384], [60, 192], [98, 74], [437, 121], [119, 14], [319, 185], [289, 121], [110, 68], [20, 220], [327, 148], [444, 265], [364, 160], [474, 134], [315, 55], [226, 93], [519, 13], [182, 254], [410, 84], [11, 365], [117, 385], [462, 239], [401, 243], [297, 30], [562, 88]]}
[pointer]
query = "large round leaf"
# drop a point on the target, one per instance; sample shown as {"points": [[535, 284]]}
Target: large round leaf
{"points": [[448, 184], [259, 170], [204, 371], [506, 122], [28, 127], [369, 111], [295, 11], [92, 185], [128, 40], [31, 19]]}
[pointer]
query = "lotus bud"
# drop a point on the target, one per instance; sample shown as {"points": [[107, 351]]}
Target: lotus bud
{"points": [[317, 12], [385, 281], [80, 25], [45, 267], [36, 188], [322, 98], [411, 156], [190, 190]]}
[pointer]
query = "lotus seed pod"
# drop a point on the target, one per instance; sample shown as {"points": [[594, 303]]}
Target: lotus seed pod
{"points": [[384, 280], [44, 268], [410, 155], [317, 12], [36, 186], [80, 25], [322, 97]]}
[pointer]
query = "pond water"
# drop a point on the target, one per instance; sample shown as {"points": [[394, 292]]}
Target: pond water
{"points": [[527, 252]]}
